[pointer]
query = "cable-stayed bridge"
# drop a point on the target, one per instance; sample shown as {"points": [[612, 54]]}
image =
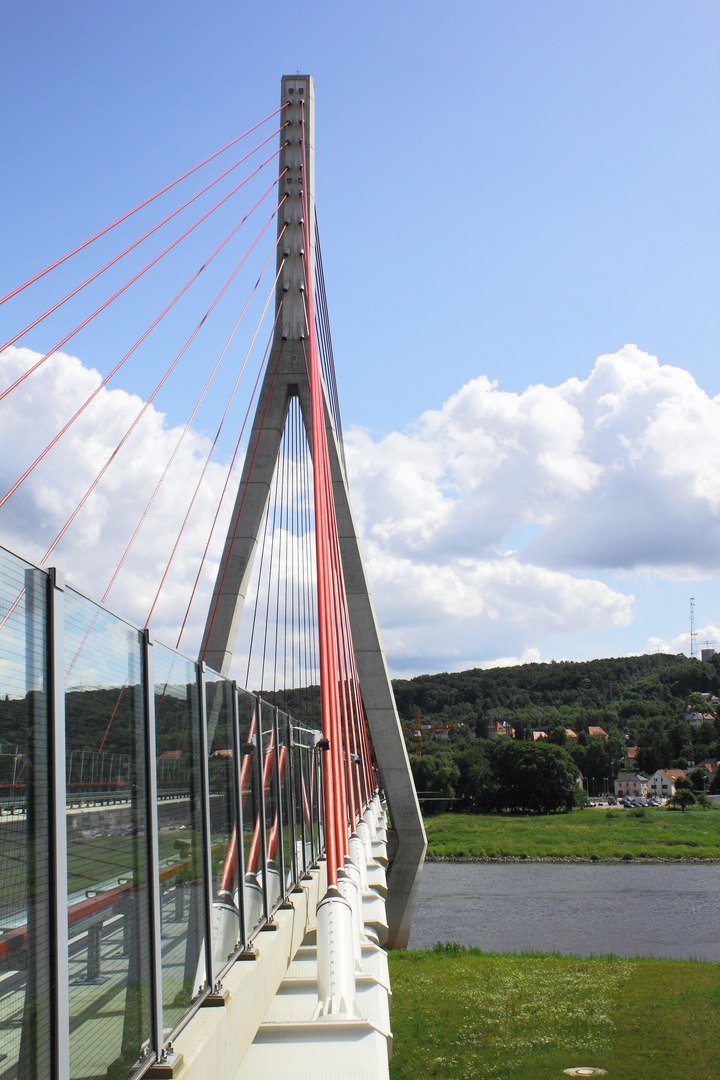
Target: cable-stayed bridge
{"points": [[203, 860]]}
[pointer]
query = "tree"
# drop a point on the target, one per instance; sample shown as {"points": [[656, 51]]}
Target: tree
{"points": [[437, 773], [476, 785], [533, 777], [683, 798], [698, 779], [520, 729], [654, 748], [699, 704]]}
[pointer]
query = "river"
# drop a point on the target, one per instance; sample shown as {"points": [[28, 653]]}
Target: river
{"points": [[582, 909]]}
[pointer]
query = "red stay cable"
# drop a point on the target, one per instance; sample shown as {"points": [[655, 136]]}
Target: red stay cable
{"points": [[242, 501], [232, 395], [129, 353], [58, 262], [348, 652], [227, 479], [182, 436], [333, 775], [139, 274], [132, 246], [136, 421]]}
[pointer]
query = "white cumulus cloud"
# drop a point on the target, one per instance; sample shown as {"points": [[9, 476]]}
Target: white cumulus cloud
{"points": [[485, 521], [95, 543], [487, 526]]}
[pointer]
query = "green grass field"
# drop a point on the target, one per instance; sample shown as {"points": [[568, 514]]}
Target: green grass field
{"points": [[467, 1015], [605, 834]]}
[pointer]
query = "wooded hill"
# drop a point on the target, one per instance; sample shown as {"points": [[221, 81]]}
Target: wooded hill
{"points": [[568, 693], [638, 701]]}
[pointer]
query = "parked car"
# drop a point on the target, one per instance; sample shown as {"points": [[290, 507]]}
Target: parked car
{"points": [[640, 801]]}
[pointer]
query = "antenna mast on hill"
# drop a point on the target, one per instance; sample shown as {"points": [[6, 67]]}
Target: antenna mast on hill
{"points": [[692, 627]]}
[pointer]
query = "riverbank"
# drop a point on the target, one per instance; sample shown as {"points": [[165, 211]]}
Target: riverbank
{"points": [[653, 835], [671, 860], [528, 1016]]}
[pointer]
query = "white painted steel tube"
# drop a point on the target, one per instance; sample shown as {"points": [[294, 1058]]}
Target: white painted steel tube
{"points": [[349, 886], [366, 832], [253, 903], [359, 856], [369, 820], [226, 932], [335, 957]]}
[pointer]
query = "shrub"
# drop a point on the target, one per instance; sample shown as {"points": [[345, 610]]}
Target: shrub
{"points": [[449, 948], [627, 857]]}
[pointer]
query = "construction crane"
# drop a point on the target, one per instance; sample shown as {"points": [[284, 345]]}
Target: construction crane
{"points": [[418, 735]]}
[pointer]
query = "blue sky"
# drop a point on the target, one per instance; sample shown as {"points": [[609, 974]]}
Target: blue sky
{"points": [[506, 190]]}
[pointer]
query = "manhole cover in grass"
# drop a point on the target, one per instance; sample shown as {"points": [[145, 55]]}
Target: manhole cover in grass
{"points": [[585, 1070]]}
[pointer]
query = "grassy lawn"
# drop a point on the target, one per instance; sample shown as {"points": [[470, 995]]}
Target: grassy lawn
{"points": [[468, 1015], [606, 834]]}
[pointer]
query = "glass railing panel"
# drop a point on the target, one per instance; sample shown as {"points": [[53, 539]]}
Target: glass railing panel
{"points": [[108, 916], [287, 809], [296, 791], [318, 802], [304, 743], [252, 822], [182, 897], [273, 833], [25, 977], [223, 826]]}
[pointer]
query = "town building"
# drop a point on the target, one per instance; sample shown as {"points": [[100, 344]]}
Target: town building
{"points": [[498, 728], [696, 719], [631, 785], [597, 733], [661, 784], [630, 756]]}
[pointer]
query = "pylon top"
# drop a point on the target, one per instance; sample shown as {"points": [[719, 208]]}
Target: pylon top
{"points": [[297, 184]]}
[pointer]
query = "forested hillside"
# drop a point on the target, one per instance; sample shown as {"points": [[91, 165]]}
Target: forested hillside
{"points": [[638, 701], [565, 693]]}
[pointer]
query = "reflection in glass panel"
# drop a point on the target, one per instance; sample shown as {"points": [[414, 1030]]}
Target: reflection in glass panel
{"points": [[182, 897], [223, 833], [107, 859], [304, 742], [318, 803], [273, 835], [252, 839], [287, 819], [24, 834], [297, 805]]}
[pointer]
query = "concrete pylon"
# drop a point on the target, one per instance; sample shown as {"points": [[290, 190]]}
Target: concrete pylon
{"points": [[285, 378]]}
